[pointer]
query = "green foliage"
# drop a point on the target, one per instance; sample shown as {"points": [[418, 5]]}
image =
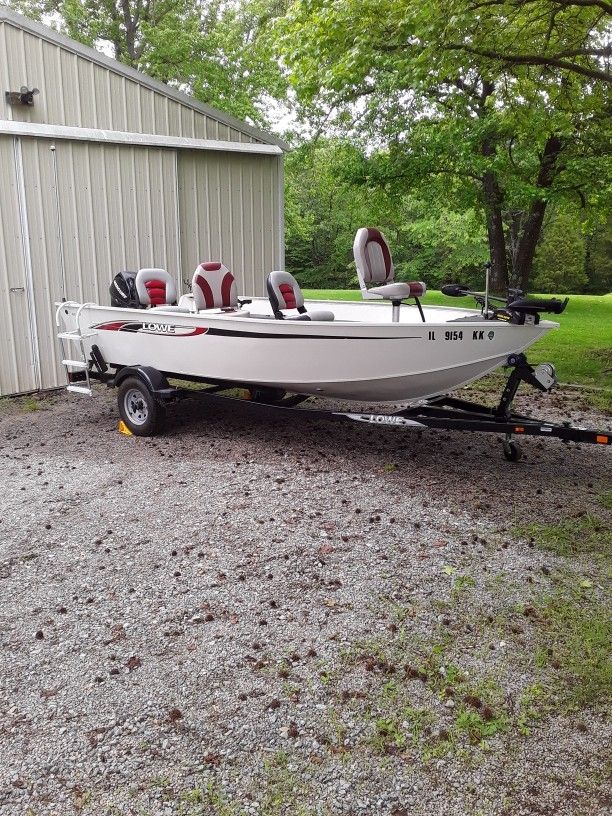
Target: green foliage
{"points": [[502, 107], [217, 51], [599, 258], [31, 403], [476, 727], [462, 583], [323, 208], [332, 189], [560, 258]]}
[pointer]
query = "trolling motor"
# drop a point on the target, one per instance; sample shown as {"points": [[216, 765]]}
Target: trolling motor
{"points": [[517, 308]]}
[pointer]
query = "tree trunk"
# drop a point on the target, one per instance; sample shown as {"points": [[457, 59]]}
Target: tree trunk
{"points": [[497, 248], [130, 23], [532, 225], [495, 225]]}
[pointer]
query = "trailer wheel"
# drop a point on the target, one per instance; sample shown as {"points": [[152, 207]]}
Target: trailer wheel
{"points": [[139, 409], [512, 451]]}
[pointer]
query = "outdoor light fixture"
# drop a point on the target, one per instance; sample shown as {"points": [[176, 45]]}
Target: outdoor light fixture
{"points": [[21, 97]]}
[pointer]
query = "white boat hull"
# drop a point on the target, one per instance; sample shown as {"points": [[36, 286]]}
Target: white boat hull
{"points": [[359, 356]]}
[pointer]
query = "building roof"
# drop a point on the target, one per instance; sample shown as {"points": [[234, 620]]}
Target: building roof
{"points": [[50, 35]]}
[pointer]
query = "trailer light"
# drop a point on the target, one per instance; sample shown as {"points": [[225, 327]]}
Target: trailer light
{"points": [[602, 440], [519, 429]]}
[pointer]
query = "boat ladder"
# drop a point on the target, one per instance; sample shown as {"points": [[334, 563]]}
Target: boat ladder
{"points": [[72, 346]]}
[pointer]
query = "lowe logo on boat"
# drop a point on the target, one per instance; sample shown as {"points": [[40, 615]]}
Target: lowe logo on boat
{"points": [[158, 328]]}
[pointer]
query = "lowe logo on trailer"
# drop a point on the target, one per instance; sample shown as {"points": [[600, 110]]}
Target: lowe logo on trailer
{"points": [[383, 419]]}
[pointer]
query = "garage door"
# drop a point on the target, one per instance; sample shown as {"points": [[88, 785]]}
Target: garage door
{"points": [[94, 209], [18, 371]]}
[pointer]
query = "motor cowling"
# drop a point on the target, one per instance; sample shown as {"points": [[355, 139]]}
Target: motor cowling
{"points": [[123, 291]]}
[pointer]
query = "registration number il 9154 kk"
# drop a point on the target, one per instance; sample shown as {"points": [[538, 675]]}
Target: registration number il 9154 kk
{"points": [[448, 335]]}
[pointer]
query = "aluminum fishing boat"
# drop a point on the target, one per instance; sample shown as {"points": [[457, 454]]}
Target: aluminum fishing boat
{"points": [[360, 355], [396, 350], [361, 351]]}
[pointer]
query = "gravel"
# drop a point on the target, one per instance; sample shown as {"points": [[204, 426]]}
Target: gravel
{"points": [[181, 615]]}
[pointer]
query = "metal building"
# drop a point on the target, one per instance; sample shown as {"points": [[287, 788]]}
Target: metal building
{"points": [[107, 169]]}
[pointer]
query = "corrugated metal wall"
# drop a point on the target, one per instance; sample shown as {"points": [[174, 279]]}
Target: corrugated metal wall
{"points": [[114, 207], [230, 208], [17, 372], [91, 210], [76, 91], [72, 214]]}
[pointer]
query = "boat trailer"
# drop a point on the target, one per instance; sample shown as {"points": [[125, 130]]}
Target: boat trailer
{"points": [[144, 393]]}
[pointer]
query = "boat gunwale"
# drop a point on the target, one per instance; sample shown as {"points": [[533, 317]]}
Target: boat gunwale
{"points": [[300, 328]]}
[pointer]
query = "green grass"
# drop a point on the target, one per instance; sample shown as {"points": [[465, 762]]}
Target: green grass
{"points": [[278, 790], [572, 536], [574, 634], [398, 667], [572, 625], [581, 349]]}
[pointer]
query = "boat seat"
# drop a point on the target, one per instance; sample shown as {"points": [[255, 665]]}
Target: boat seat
{"points": [[284, 293], [375, 265], [214, 287], [155, 287]]}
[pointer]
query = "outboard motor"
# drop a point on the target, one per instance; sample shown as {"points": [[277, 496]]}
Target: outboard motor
{"points": [[123, 291]]}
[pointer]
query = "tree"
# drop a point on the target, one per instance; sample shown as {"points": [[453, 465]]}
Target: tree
{"points": [[497, 104], [332, 190], [325, 203], [559, 264], [212, 49], [599, 258]]}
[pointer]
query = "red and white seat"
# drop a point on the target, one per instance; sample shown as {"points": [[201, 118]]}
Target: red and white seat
{"points": [[214, 287], [375, 265], [285, 294], [155, 287]]}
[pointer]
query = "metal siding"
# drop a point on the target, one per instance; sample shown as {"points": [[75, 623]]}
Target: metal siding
{"points": [[187, 124], [69, 88], [229, 212], [17, 372], [76, 91], [117, 210], [44, 249], [87, 95], [147, 110], [280, 216], [132, 104], [115, 206], [116, 110]]}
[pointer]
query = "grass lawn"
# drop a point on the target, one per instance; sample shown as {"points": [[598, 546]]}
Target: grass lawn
{"points": [[581, 349]]}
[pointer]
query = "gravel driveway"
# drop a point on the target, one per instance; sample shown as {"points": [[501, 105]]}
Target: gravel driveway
{"points": [[256, 614]]}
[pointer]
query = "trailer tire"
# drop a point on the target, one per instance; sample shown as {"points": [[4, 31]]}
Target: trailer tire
{"points": [[138, 408], [512, 451]]}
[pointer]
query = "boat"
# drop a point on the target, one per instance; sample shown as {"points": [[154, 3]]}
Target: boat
{"points": [[412, 353], [361, 355]]}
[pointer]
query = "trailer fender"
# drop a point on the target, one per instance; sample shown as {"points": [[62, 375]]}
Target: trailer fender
{"points": [[154, 380]]}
